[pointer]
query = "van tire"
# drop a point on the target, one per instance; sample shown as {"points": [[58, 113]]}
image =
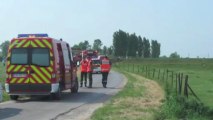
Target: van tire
{"points": [[57, 95], [14, 97], [74, 89]]}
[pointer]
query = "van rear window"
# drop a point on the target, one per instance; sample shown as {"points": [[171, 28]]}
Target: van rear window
{"points": [[40, 57], [19, 56], [28, 56]]}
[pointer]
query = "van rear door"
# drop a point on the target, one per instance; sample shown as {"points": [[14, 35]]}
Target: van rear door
{"points": [[41, 65], [17, 69], [30, 66]]}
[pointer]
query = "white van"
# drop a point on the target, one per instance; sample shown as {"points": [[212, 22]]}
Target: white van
{"points": [[96, 65]]}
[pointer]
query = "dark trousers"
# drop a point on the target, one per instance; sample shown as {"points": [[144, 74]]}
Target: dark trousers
{"points": [[84, 76], [104, 77], [90, 78]]}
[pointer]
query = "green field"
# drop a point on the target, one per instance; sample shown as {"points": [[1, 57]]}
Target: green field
{"points": [[200, 79], [200, 73]]}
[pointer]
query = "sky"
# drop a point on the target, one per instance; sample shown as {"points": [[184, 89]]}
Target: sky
{"points": [[182, 26]]}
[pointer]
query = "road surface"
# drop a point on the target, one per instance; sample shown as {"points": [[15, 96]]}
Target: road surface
{"points": [[72, 106]]}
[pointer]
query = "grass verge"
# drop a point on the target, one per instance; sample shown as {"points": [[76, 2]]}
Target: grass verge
{"points": [[135, 102], [199, 72]]}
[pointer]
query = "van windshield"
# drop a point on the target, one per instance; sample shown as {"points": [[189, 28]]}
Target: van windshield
{"points": [[28, 56], [40, 57], [95, 61], [19, 56]]}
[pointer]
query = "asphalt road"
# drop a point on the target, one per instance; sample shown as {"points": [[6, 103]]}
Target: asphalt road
{"points": [[77, 106]]}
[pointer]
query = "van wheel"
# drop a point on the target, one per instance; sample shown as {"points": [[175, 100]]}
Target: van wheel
{"points": [[14, 97], [57, 95], [74, 89]]}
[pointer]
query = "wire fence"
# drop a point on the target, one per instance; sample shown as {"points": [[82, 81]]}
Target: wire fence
{"points": [[174, 81]]}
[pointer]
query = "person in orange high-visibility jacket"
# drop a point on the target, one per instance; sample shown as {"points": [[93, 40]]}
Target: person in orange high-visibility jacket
{"points": [[89, 71], [84, 65], [105, 68]]}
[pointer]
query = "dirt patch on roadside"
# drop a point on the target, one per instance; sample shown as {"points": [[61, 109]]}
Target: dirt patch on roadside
{"points": [[154, 94], [143, 106]]}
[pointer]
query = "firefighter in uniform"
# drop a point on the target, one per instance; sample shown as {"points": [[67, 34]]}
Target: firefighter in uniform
{"points": [[105, 68], [89, 71], [84, 65]]}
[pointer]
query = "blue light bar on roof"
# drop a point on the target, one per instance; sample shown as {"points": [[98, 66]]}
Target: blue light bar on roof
{"points": [[32, 35]]}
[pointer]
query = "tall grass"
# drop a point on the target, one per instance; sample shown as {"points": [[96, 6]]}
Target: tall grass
{"points": [[200, 79]]}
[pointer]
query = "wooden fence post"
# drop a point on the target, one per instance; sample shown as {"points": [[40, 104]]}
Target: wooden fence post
{"points": [[158, 74], [194, 93], [180, 83], [153, 76], [176, 83], [167, 75], [186, 86]]}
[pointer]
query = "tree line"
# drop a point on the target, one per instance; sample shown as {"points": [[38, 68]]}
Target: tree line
{"points": [[124, 45], [131, 45], [4, 47]]}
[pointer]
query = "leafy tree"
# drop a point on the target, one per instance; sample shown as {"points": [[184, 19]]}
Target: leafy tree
{"points": [[140, 46], [4, 47], [146, 44], [132, 45], [155, 49], [76, 47], [82, 45], [85, 45], [174, 55], [120, 43], [110, 50], [105, 50], [97, 45], [164, 56]]}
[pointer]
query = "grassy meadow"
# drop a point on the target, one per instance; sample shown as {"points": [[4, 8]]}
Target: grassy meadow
{"points": [[200, 72]]}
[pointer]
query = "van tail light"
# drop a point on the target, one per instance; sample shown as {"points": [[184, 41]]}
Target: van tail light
{"points": [[53, 78], [53, 75]]}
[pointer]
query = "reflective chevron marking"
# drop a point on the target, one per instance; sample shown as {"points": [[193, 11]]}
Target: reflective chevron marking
{"points": [[41, 75]]}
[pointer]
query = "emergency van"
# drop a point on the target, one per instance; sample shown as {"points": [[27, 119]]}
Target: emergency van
{"points": [[96, 65], [39, 65]]}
